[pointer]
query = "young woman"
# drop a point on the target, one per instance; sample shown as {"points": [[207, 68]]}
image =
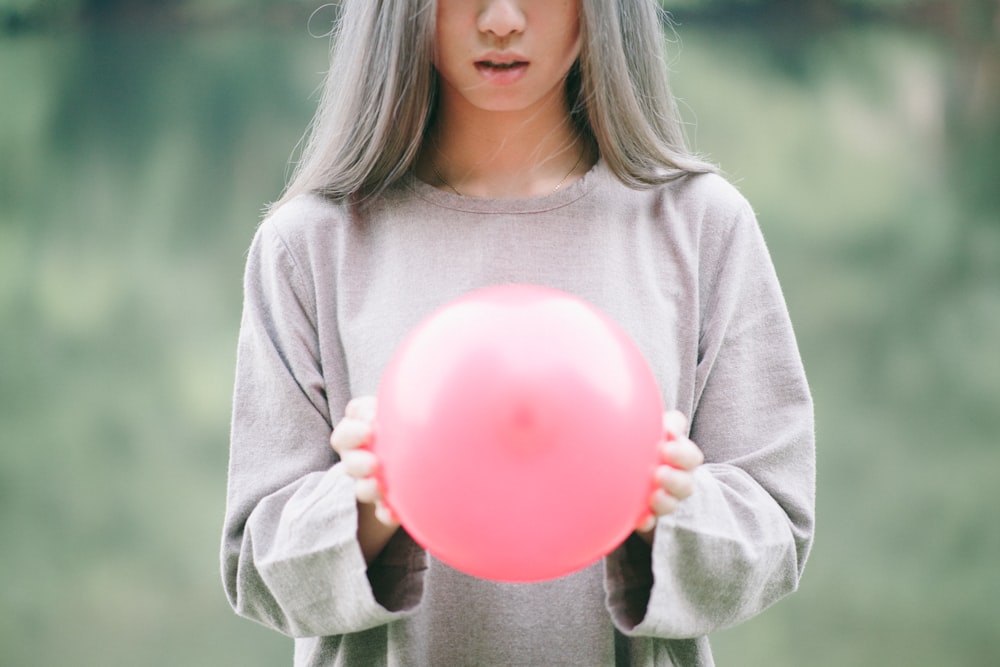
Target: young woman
{"points": [[467, 143]]}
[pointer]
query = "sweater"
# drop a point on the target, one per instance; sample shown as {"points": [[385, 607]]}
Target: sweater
{"points": [[331, 289]]}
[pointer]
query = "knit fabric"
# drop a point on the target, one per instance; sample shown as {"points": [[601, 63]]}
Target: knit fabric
{"points": [[332, 289]]}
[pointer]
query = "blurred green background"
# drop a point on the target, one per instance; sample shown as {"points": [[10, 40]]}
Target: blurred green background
{"points": [[139, 141]]}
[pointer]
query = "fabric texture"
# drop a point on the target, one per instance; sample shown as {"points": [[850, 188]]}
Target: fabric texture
{"points": [[332, 289]]}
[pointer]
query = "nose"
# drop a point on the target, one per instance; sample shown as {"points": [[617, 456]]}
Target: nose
{"points": [[501, 18]]}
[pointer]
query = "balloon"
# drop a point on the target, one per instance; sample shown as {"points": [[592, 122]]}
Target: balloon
{"points": [[517, 433]]}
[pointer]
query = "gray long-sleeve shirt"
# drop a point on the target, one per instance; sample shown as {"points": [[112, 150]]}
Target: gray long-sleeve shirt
{"points": [[331, 290]]}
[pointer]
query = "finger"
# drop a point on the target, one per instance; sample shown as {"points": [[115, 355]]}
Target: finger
{"points": [[675, 425], [646, 524], [359, 463], [384, 514], [682, 454], [677, 483], [662, 503], [350, 434], [367, 490], [362, 407]]}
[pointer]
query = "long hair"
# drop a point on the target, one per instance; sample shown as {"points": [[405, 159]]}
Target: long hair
{"points": [[381, 91]]}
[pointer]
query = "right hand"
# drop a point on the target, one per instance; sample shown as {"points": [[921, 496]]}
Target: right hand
{"points": [[350, 439]]}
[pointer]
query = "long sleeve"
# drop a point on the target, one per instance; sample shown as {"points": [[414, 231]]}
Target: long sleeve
{"points": [[739, 543], [332, 289], [290, 556]]}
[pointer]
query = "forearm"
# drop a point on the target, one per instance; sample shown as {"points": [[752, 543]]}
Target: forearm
{"points": [[729, 552], [295, 564]]}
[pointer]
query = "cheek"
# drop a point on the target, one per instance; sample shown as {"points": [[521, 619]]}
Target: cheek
{"points": [[577, 46], [572, 22], [451, 42], [445, 37], [444, 52], [572, 43], [570, 36]]}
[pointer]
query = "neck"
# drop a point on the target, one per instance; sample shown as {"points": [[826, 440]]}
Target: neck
{"points": [[503, 154]]}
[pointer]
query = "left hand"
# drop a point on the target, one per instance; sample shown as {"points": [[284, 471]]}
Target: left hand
{"points": [[674, 478]]}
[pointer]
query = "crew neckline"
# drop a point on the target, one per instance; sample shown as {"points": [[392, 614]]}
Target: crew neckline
{"points": [[561, 197]]}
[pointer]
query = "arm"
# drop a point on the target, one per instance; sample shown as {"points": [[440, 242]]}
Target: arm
{"points": [[291, 558], [350, 438], [740, 541]]}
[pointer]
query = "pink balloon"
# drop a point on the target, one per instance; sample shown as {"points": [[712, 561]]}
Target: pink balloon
{"points": [[518, 432]]}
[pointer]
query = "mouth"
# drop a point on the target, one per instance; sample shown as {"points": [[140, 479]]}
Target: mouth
{"points": [[489, 64], [502, 73]]}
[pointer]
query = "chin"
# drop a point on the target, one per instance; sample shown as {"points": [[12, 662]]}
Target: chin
{"points": [[505, 105]]}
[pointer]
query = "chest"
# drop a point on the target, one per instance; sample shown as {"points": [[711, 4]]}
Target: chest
{"points": [[395, 273]]}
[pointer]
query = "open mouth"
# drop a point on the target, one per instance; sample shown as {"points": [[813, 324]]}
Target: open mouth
{"points": [[501, 66], [502, 69]]}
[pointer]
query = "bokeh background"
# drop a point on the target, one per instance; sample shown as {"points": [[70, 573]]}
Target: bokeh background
{"points": [[139, 141]]}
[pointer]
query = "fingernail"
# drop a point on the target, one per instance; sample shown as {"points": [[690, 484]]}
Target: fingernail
{"points": [[675, 424], [361, 407], [384, 514], [663, 474]]}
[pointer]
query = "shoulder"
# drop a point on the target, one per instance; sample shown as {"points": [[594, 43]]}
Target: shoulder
{"points": [[300, 220], [695, 210], [709, 197], [699, 198], [304, 231]]}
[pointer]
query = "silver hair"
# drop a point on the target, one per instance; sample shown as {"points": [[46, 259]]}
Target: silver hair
{"points": [[380, 95]]}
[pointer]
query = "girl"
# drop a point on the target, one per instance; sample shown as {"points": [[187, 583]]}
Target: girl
{"points": [[467, 143]]}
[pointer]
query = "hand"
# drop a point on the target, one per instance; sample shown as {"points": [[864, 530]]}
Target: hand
{"points": [[350, 439], [674, 477]]}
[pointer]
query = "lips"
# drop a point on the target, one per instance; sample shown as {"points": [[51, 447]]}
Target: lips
{"points": [[501, 65], [502, 71]]}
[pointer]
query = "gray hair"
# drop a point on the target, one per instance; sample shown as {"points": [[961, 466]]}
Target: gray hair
{"points": [[380, 95]]}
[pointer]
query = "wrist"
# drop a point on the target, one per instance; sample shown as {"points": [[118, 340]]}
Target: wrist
{"points": [[373, 533]]}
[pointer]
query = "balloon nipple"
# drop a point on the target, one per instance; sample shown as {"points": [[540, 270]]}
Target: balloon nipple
{"points": [[523, 418], [526, 432]]}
